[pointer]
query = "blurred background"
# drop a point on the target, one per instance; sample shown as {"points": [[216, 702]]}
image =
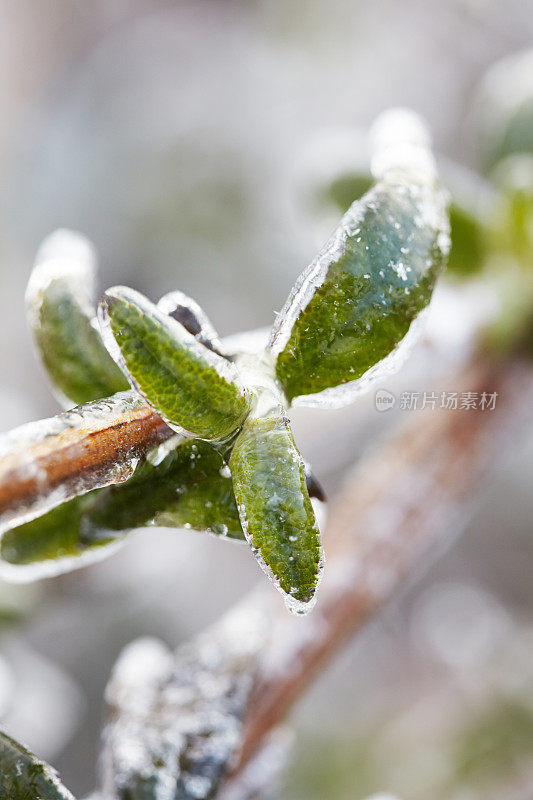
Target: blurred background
{"points": [[187, 140]]}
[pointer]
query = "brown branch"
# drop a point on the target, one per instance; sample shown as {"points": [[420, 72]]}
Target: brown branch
{"points": [[45, 463], [388, 519]]}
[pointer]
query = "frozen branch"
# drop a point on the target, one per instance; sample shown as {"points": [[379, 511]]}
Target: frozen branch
{"points": [[45, 463]]}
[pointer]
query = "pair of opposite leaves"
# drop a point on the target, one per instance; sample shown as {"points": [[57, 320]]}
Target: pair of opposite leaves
{"points": [[348, 312]]}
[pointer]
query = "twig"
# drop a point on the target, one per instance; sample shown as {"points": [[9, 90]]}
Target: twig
{"points": [[388, 519], [44, 463]]}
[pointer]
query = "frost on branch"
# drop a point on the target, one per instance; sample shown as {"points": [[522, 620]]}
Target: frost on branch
{"points": [[46, 463], [175, 720]]}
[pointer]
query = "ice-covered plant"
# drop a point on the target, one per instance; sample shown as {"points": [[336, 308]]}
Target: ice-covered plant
{"points": [[226, 461], [232, 467]]}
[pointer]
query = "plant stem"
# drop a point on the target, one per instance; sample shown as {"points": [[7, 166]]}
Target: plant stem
{"points": [[45, 463]]}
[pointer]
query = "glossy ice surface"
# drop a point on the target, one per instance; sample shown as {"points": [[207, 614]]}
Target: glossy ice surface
{"points": [[275, 510], [470, 202], [192, 388], [71, 435]]}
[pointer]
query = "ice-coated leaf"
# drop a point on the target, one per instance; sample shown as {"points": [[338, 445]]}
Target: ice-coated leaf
{"points": [[194, 389], [270, 488], [51, 544], [188, 487], [471, 198], [176, 721], [188, 313], [63, 321], [23, 776], [191, 488], [356, 302]]}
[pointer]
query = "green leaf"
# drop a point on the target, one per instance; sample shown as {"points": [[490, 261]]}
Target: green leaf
{"points": [[190, 487], [63, 321], [472, 206], [23, 776], [48, 541], [193, 388], [276, 514], [468, 233], [357, 300], [468, 225], [347, 187]]}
